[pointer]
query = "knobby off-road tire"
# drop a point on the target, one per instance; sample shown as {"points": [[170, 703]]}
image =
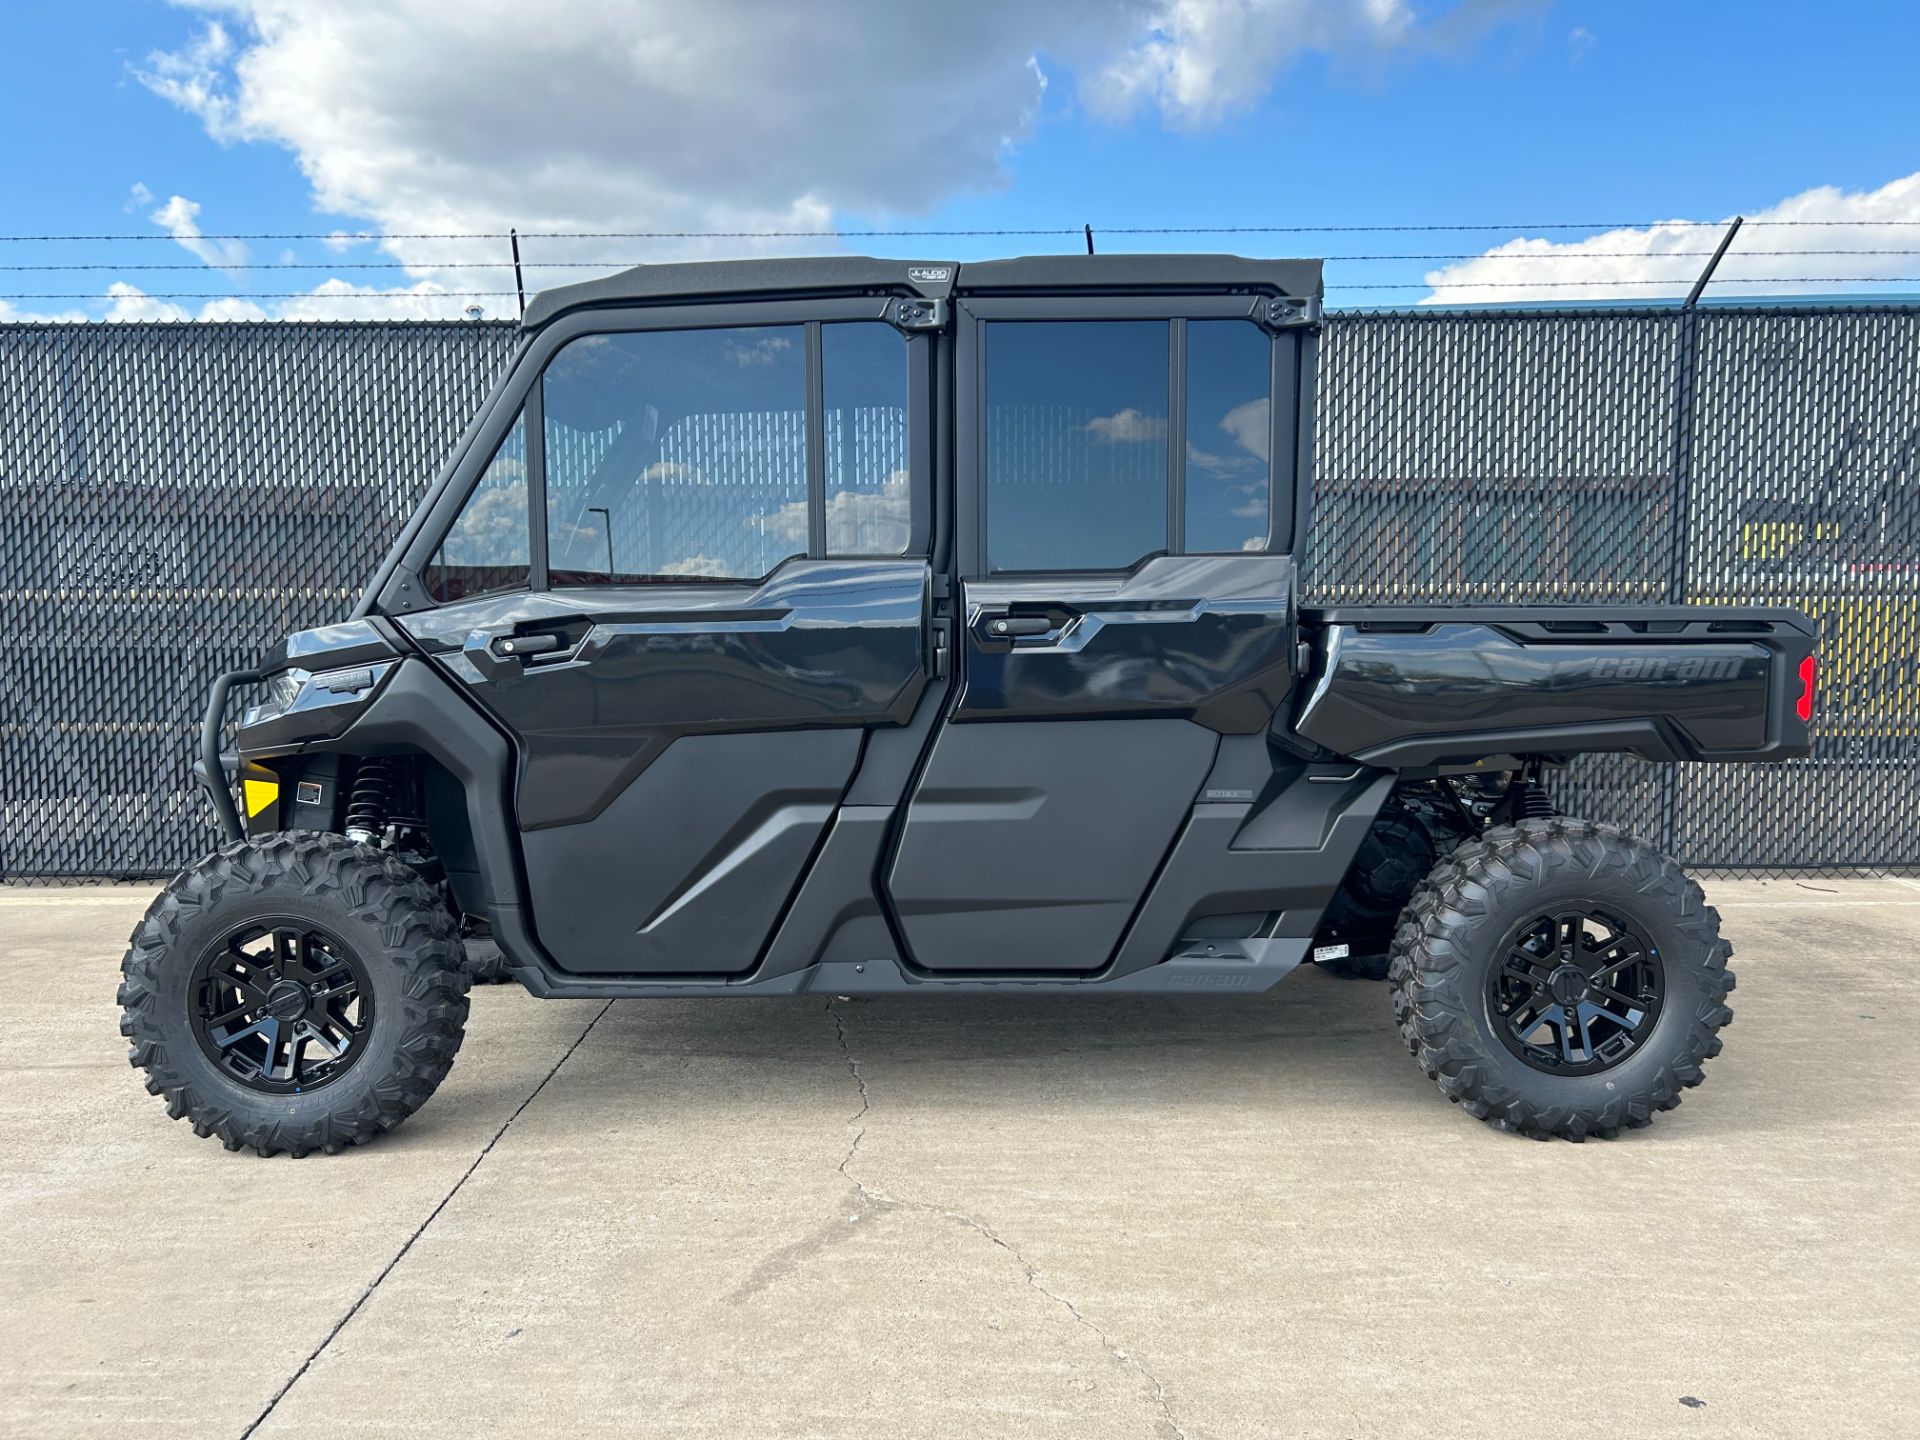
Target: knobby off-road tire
{"points": [[406, 957], [1455, 933], [483, 962]]}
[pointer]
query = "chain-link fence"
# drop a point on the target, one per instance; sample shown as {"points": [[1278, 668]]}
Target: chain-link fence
{"points": [[176, 497]]}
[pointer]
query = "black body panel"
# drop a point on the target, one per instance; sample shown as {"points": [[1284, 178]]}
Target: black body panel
{"points": [[1207, 638], [1422, 687], [822, 643], [690, 866], [1028, 846]]}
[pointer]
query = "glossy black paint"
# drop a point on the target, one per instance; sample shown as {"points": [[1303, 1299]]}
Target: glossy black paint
{"points": [[822, 643], [333, 647], [1027, 846], [1207, 638], [327, 702], [1713, 685], [340, 668], [688, 869]]}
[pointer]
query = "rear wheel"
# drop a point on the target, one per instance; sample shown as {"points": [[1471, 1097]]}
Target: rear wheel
{"points": [[295, 993], [1558, 977]]}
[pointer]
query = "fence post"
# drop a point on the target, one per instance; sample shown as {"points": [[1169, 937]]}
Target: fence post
{"points": [[1686, 368], [1686, 378], [519, 287]]}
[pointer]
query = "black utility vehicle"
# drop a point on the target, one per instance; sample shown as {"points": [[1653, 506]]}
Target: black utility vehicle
{"points": [[851, 626]]}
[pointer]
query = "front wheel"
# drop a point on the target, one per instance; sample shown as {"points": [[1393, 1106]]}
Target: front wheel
{"points": [[294, 993], [1558, 977]]}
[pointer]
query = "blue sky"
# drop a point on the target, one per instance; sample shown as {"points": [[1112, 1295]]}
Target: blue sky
{"points": [[320, 115]]}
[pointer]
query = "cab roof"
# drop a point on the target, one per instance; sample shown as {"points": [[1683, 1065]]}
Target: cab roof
{"points": [[930, 279]]}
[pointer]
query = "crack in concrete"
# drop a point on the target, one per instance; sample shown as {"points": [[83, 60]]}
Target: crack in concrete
{"points": [[874, 1200], [367, 1293]]}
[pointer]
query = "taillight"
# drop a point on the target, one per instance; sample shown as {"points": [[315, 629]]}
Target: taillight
{"points": [[1803, 707]]}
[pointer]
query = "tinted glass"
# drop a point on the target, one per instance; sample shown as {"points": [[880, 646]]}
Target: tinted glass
{"points": [[676, 455], [864, 382], [1229, 477], [487, 547], [1076, 462]]}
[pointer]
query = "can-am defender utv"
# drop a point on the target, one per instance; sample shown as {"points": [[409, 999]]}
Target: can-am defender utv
{"points": [[848, 626]]}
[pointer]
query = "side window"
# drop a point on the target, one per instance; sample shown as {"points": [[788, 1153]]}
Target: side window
{"points": [[676, 455], [487, 549], [1229, 474], [864, 383], [1076, 443]]}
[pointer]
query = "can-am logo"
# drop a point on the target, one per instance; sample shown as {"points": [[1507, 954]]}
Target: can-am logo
{"points": [[932, 274], [1685, 667]]}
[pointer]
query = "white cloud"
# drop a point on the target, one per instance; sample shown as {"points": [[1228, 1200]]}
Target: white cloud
{"points": [[1249, 426], [1202, 60], [129, 302], [344, 300], [767, 350], [334, 300], [1127, 427], [1662, 261], [11, 314], [578, 116], [1579, 41], [179, 217]]}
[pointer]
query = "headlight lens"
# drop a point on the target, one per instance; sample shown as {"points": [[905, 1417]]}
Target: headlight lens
{"points": [[281, 691]]}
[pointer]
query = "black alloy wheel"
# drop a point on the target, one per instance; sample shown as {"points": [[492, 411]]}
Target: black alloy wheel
{"points": [[280, 1006], [1576, 991]]}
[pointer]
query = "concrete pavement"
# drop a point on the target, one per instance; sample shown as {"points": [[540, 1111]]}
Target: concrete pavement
{"points": [[977, 1217]]}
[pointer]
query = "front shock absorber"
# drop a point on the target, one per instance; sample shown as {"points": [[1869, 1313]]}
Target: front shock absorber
{"points": [[372, 796]]}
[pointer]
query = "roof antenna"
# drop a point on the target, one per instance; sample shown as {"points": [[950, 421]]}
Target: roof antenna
{"points": [[1089, 239]]}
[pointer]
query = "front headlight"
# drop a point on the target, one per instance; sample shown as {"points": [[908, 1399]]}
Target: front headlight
{"points": [[281, 691]]}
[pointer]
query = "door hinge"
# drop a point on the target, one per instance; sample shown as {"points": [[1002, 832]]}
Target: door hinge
{"points": [[1288, 312], [910, 315]]}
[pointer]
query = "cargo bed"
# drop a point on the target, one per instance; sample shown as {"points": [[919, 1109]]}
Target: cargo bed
{"points": [[1411, 686]]}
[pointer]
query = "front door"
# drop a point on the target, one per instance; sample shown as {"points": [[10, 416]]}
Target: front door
{"points": [[1124, 526], [725, 588]]}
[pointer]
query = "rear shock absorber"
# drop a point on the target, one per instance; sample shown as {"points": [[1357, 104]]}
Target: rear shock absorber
{"points": [[367, 805], [1526, 798]]}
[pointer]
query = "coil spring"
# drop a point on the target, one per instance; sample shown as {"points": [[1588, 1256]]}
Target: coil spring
{"points": [[367, 805]]}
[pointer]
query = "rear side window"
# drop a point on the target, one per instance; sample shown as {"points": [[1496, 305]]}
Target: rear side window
{"points": [[1229, 503], [1076, 443], [676, 455], [864, 385], [487, 548]]}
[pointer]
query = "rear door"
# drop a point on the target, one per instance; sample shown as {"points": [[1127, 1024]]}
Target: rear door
{"points": [[1124, 522], [720, 586]]}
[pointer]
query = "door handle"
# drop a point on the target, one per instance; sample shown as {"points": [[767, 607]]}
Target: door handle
{"points": [[521, 647], [1002, 626]]}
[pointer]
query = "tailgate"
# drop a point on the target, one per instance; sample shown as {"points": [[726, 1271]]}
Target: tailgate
{"points": [[1410, 686]]}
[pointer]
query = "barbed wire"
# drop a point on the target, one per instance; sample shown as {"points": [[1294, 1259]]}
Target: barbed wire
{"points": [[616, 264], [1607, 284], [344, 238]]}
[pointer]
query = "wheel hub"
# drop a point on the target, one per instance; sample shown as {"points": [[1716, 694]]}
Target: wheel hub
{"points": [[287, 1000], [1568, 984]]}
